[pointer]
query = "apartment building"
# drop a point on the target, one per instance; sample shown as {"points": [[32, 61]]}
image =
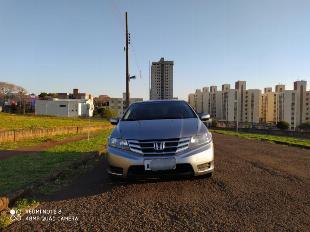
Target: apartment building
{"points": [[118, 104], [300, 87], [268, 106], [306, 113], [205, 99], [161, 80], [280, 88], [198, 101], [287, 101], [251, 101], [292, 106], [191, 100], [228, 104], [240, 86]]}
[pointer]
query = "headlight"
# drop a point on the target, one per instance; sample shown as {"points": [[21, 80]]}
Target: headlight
{"points": [[119, 143], [201, 139]]}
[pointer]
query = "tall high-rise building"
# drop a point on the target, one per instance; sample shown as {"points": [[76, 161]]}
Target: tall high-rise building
{"points": [[161, 80]]}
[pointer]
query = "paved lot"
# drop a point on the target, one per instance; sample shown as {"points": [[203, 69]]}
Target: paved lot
{"points": [[257, 186]]}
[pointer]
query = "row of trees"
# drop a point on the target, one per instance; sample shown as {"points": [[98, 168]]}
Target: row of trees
{"points": [[12, 98], [283, 125]]}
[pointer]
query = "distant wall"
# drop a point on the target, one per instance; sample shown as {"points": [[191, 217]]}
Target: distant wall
{"points": [[23, 134]]}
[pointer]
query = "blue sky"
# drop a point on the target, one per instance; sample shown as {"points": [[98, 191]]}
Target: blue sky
{"points": [[57, 45]]}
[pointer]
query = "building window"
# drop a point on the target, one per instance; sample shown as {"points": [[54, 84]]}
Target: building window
{"points": [[62, 106]]}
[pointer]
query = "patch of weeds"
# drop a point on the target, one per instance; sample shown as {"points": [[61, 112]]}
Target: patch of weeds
{"points": [[8, 216], [67, 177]]}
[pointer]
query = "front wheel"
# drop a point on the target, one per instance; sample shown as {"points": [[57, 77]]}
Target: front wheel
{"points": [[208, 175], [114, 178]]}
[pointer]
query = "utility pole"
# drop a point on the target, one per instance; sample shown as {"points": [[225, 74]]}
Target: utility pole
{"points": [[127, 68]]}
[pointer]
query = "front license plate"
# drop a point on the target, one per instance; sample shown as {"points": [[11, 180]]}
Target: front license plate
{"points": [[160, 164]]}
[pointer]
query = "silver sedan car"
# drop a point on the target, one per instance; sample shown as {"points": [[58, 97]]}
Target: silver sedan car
{"points": [[162, 137]]}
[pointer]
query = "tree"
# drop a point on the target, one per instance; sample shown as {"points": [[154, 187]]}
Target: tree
{"points": [[305, 126], [7, 88], [43, 96], [283, 125], [22, 105], [46, 96]]}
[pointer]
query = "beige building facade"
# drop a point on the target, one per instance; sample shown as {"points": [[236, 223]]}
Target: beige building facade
{"points": [[253, 106], [227, 104]]}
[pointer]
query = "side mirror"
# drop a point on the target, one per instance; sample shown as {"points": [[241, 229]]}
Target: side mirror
{"points": [[114, 121], [205, 117]]}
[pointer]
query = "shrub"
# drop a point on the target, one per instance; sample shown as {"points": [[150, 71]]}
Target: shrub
{"points": [[283, 125], [214, 122], [109, 113], [305, 126]]}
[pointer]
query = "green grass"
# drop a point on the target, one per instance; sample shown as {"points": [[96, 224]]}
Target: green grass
{"points": [[20, 171], [13, 122], [305, 143], [20, 208], [33, 142]]}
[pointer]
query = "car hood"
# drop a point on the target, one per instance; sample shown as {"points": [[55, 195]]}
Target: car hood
{"points": [[159, 129]]}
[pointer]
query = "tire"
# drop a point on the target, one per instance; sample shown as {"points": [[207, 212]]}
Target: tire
{"points": [[114, 178], [208, 175]]}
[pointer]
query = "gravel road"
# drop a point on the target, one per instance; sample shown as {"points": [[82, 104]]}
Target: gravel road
{"points": [[257, 186]]}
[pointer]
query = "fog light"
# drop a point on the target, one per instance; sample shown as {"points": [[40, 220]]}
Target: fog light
{"points": [[204, 166]]}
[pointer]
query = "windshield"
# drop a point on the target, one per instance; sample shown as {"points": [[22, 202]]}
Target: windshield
{"points": [[158, 110]]}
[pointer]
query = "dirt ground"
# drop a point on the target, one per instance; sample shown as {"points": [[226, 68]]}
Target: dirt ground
{"points": [[257, 186]]}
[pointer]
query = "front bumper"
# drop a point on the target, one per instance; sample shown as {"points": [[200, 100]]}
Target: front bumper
{"points": [[198, 161]]}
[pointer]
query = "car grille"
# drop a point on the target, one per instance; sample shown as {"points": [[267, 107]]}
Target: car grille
{"points": [[159, 147]]}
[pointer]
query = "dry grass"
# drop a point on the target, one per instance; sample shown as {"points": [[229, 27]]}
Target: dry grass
{"points": [[13, 122]]}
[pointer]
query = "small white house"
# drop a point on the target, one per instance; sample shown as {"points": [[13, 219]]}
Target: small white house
{"points": [[65, 107]]}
